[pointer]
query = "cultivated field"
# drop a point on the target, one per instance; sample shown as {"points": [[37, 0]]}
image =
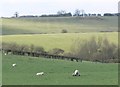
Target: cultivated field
{"points": [[57, 72]]}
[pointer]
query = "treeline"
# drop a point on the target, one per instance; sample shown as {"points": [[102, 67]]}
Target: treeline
{"points": [[110, 14], [28, 16], [95, 49], [50, 15], [58, 15], [70, 15], [63, 13]]}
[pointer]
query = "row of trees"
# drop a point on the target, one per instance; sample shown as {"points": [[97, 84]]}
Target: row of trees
{"points": [[95, 50], [83, 14], [63, 13], [59, 14], [110, 14]]}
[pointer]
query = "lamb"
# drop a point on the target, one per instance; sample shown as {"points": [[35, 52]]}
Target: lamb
{"points": [[40, 73], [14, 64], [76, 73]]}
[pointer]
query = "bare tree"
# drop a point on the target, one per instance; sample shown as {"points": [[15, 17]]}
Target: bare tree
{"points": [[95, 50], [16, 14], [77, 12]]}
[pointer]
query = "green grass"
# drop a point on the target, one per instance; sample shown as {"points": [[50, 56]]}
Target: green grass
{"points": [[57, 72], [56, 24], [63, 41]]}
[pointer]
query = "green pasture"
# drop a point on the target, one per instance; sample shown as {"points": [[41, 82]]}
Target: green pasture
{"points": [[57, 72], [57, 24], [63, 41]]}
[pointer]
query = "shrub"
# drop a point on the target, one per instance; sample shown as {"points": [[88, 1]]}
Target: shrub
{"points": [[64, 31], [9, 46], [39, 49], [95, 50], [56, 51], [24, 48], [32, 48]]}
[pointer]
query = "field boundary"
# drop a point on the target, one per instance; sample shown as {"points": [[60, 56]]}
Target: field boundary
{"points": [[38, 54]]}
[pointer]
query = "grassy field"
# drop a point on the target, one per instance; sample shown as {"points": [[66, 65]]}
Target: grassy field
{"points": [[57, 72], [57, 24], [77, 27], [63, 41]]}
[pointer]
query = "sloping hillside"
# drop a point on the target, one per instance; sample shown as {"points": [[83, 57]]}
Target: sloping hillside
{"points": [[57, 72], [57, 24]]}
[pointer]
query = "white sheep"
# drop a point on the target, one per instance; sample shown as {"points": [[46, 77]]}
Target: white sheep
{"points": [[14, 64], [5, 54], [40, 73], [76, 73]]}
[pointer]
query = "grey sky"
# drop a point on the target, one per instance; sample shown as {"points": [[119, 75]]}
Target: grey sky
{"points": [[38, 7]]}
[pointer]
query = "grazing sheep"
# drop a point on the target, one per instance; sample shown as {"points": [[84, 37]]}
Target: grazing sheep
{"points": [[40, 73], [14, 64], [5, 54], [76, 73]]}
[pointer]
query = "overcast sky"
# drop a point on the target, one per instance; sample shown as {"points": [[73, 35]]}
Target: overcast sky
{"points": [[38, 7]]}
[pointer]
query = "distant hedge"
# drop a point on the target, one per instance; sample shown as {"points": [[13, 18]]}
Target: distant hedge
{"points": [[16, 47]]}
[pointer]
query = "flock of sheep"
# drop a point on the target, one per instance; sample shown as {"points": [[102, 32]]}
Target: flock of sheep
{"points": [[75, 73]]}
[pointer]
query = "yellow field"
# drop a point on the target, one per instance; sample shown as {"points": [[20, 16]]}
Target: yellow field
{"points": [[63, 41]]}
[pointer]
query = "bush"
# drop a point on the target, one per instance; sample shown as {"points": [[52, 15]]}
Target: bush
{"points": [[64, 31], [9, 46], [56, 51], [39, 50], [95, 50], [32, 48], [68, 54], [22, 48]]}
